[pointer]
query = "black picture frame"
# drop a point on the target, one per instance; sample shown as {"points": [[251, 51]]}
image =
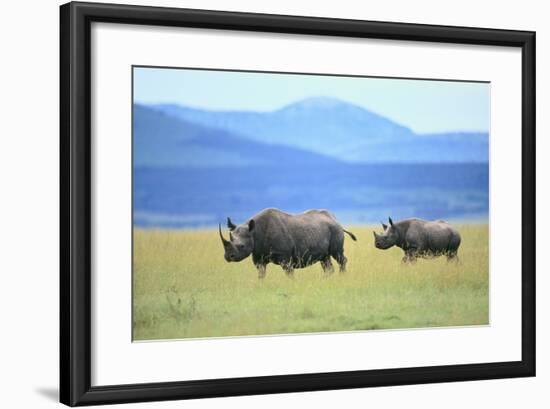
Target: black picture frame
{"points": [[76, 199]]}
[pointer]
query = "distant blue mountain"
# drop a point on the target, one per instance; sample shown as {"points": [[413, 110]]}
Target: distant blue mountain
{"points": [[193, 168], [450, 147], [341, 130], [162, 140]]}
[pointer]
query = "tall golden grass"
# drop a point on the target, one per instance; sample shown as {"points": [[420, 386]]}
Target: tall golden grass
{"points": [[183, 288]]}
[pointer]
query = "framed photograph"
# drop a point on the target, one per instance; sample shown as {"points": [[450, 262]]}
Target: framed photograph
{"points": [[257, 204]]}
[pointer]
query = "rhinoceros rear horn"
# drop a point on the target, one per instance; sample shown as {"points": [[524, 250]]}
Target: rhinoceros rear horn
{"points": [[384, 226], [230, 224], [224, 241]]}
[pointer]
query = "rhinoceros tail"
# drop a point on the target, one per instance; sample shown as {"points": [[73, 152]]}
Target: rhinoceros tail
{"points": [[350, 234]]}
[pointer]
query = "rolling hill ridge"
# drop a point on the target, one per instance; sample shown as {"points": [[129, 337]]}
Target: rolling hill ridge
{"points": [[162, 140], [337, 129]]}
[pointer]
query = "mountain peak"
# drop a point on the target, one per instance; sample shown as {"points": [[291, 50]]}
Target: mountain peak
{"points": [[318, 103]]}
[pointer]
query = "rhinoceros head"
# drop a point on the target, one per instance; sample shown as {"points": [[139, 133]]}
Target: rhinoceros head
{"points": [[388, 238], [241, 240]]}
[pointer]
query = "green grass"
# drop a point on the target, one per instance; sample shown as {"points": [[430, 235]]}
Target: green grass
{"points": [[183, 288]]}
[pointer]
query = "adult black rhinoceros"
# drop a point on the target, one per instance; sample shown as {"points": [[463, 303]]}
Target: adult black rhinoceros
{"points": [[291, 241], [420, 238]]}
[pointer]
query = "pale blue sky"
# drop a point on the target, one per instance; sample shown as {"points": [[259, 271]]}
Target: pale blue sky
{"points": [[422, 105]]}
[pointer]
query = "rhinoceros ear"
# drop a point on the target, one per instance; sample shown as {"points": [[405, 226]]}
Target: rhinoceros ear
{"points": [[251, 225], [230, 224], [391, 221]]}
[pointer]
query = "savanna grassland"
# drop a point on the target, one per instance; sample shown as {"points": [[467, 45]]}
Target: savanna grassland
{"points": [[183, 288]]}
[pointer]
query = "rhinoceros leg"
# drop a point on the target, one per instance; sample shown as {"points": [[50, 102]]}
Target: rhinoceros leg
{"points": [[452, 256], [289, 270], [261, 270], [342, 261], [410, 256], [327, 266]]}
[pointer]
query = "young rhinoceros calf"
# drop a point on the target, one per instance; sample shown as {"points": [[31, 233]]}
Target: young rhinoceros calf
{"points": [[420, 238], [291, 241]]}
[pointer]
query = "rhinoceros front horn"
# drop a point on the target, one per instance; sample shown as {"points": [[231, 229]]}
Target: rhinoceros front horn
{"points": [[224, 241]]}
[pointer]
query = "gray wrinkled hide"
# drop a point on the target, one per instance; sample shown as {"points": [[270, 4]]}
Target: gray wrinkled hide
{"points": [[291, 241], [420, 238]]}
